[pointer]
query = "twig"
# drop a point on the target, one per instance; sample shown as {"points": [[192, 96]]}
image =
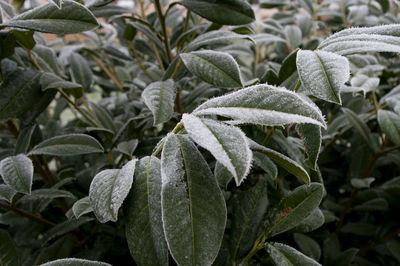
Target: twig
{"points": [[26, 214]]}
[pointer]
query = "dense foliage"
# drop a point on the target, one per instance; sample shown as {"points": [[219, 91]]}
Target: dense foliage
{"points": [[192, 133]]}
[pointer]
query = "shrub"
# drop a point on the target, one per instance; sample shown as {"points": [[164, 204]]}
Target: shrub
{"points": [[195, 135]]}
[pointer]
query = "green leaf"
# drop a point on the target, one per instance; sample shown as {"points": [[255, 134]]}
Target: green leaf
{"points": [[46, 58], [17, 172], [68, 145], [63, 228], [49, 80], [160, 99], [308, 246], [288, 164], [295, 207], [193, 208], [222, 175], [81, 207], [217, 68], [109, 189], [103, 117], [80, 70], [71, 18], [389, 122], [19, 91], [283, 255], [265, 163], [360, 126], [225, 12], [7, 193], [312, 139], [75, 262], [7, 9], [263, 105], [128, 147], [249, 207], [24, 38], [323, 73], [227, 144], [8, 253], [378, 204], [24, 139], [144, 228], [46, 193], [315, 220], [362, 182]]}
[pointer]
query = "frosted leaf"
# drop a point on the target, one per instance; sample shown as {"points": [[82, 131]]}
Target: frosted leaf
{"points": [[7, 193], [128, 147], [217, 68], [312, 222], [312, 139], [17, 172], [366, 83], [144, 229], [109, 189], [160, 99], [226, 143], [193, 208], [81, 207], [263, 105], [264, 162], [389, 122], [222, 175], [283, 255], [267, 38], [57, 3], [74, 262], [323, 73]]}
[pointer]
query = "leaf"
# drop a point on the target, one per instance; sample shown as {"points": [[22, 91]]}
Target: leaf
{"points": [[71, 18], [378, 204], [362, 182], [57, 3], [359, 126], [46, 193], [109, 189], [226, 143], [191, 199], [47, 59], [315, 220], [265, 163], [49, 80], [75, 262], [103, 116], [18, 93], [17, 172], [295, 207], [7, 193], [7, 9], [160, 99], [144, 228], [249, 207], [68, 145], [225, 12], [312, 139], [24, 139], [62, 248], [308, 246], [389, 122], [80, 70], [63, 228], [222, 175], [323, 73], [284, 255], [217, 68], [288, 164], [263, 105], [8, 253], [81, 207], [128, 147]]}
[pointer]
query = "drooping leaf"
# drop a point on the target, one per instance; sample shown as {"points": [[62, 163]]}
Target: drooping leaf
{"points": [[81, 207], [71, 18], [63, 228], [190, 198], [312, 139], [323, 73], [264, 162], [68, 145], [225, 12], [109, 189], [308, 246], [217, 68], [160, 99], [19, 91], [75, 262], [247, 215], [263, 105], [17, 172], [7, 193], [285, 255], [80, 70], [295, 207], [227, 144], [315, 220], [144, 230], [390, 125], [128, 147], [8, 253]]}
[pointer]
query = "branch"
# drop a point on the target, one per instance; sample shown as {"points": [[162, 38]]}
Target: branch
{"points": [[27, 214]]}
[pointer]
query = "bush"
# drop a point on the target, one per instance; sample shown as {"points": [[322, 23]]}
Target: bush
{"points": [[188, 133]]}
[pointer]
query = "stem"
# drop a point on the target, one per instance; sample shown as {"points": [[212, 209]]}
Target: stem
{"points": [[157, 54], [130, 44], [177, 128], [297, 86], [108, 72], [27, 214], [258, 245], [176, 69], [161, 17], [185, 28], [33, 60]]}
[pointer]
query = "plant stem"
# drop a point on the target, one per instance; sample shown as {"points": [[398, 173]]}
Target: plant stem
{"points": [[176, 69], [130, 44], [33, 60], [161, 17], [26, 214], [297, 86], [177, 128], [157, 54]]}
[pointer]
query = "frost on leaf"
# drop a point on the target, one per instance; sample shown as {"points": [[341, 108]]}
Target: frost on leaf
{"points": [[323, 74], [109, 189], [263, 105], [7, 193], [160, 99], [193, 208], [227, 144], [17, 172], [81, 207], [285, 255]]}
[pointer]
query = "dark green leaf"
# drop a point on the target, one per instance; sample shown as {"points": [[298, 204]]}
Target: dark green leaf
{"points": [[312, 139], [17, 172], [49, 80], [390, 125], [308, 246], [264, 162], [7, 193], [284, 255], [80, 70]]}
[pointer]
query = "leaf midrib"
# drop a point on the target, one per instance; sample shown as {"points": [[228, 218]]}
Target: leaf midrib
{"points": [[327, 78]]}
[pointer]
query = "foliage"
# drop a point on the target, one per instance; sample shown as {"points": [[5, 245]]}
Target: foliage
{"points": [[191, 133]]}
